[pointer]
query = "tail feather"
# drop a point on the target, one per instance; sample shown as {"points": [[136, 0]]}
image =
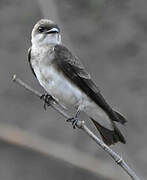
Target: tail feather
{"points": [[109, 136], [119, 117]]}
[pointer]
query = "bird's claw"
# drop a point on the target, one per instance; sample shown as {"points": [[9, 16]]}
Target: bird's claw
{"points": [[74, 121], [48, 99]]}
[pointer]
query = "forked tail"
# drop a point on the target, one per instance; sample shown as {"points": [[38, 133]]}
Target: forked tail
{"points": [[109, 136]]}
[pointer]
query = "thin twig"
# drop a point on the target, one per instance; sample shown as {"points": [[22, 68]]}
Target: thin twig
{"points": [[81, 125]]}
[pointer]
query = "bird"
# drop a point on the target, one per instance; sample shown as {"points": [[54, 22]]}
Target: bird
{"points": [[65, 79]]}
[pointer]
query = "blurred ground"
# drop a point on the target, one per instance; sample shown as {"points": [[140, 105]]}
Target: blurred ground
{"points": [[110, 38], [31, 165]]}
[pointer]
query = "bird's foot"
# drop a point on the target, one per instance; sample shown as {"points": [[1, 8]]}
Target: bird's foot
{"points": [[48, 99], [74, 120]]}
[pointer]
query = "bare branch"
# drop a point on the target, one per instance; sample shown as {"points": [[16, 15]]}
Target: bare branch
{"points": [[81, 125]]}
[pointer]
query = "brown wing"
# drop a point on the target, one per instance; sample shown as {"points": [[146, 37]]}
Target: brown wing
{"points": [[29, 59], [75, 71]]}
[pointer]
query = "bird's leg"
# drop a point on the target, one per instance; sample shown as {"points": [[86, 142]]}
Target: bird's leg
{"points": [[74, 120], [48, 99]]}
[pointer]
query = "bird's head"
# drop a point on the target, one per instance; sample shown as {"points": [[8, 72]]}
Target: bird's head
{"points": [[46, 32]]}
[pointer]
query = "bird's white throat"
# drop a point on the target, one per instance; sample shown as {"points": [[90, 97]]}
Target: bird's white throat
{"points": [[41, 39]]}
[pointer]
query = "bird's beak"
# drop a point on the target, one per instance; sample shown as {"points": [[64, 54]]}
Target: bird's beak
{"points": [[53, 30]]}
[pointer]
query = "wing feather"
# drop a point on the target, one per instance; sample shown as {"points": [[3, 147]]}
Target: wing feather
{"points": [[75, 71], [29, 59]]}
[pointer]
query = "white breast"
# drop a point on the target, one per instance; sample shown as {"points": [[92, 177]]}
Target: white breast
{"points": [[53, 81], [56, 84]]}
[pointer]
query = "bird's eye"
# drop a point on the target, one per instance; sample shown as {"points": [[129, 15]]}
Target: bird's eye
{"points": [[41, 29]]}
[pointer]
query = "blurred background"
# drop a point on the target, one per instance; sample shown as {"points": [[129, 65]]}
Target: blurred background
{"points": [[110, 36]]}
